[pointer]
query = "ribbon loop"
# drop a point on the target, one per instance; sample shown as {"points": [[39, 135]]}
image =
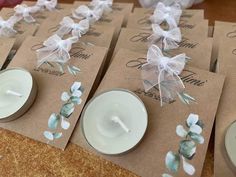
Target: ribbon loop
{"points": [[48, 4], [55, 50], [166, 39], [7, 27], [169, 14], [104, 5], [77, 29], [24, 12], [84, 12], [164, 72]]}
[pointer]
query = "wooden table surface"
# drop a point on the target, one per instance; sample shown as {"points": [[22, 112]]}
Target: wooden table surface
{"points": [[21, 156]]}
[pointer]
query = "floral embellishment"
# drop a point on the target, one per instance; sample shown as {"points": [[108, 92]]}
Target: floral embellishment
{"points": [[187, 146], [71, 99]]}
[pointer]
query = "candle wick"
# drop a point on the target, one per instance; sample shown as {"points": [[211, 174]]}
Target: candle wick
{"points": [[121, 123], [10, 92]]}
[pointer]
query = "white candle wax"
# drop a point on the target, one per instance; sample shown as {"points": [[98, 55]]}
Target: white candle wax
{"points": [[114, 121], [17, 93], [230, 143]]}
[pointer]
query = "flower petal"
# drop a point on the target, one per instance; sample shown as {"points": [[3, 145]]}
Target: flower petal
{"points": [[188, 168], [48, 135], [192, 119], [172, 161], [180, 131], [195, 129]]}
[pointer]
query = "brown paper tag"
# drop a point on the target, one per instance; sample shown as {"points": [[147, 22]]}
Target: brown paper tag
{"points": [[148, 158], [118, 8], [192, 45], [226, 113], [51, 84], [6, 45], [222, 31], [189, 14]]}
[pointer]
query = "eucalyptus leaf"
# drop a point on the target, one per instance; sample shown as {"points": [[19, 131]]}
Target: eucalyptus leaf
{"points": [[48, 135], [65, 96], [187, 148], [57, 135], [180, 131], [65, 124], [67, 109], [195, 129], [188, 168], [53, 121], [192, 119], [172, 161], [76, 86], [200, 123], [166, 175], [77, 93], [76, 100], [196, 137]]}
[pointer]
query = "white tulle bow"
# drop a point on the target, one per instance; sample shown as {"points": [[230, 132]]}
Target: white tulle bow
{"points": [[7, 26], [77, 29], [25, 12], [169, 14], [166, 39], [84, 12], [164, 72], [48, 4], [105, 5], [55, 50]]}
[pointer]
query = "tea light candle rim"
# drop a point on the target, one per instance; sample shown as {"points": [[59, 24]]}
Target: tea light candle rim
{"points": [[30, 98], [101, 93], [225, 142]]}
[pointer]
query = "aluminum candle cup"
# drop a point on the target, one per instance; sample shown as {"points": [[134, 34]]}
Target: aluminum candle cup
{"points": [[230, 143], [114, 122], [17, 93]]}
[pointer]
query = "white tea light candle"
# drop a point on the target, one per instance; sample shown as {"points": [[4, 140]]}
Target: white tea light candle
{"points": [[230, 143], [114, 122], [17, 93]]}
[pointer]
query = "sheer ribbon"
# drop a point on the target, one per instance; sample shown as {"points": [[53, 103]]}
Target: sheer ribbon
{"points": [[164, 72], [55, 50]]}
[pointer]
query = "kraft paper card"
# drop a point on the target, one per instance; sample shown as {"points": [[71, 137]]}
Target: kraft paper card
{"points": [[118, 8], [197, 48], [222, 31], [54, 114], [22, 28], [6, 45], [226, 112], [147, 159], [187, 14]]}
